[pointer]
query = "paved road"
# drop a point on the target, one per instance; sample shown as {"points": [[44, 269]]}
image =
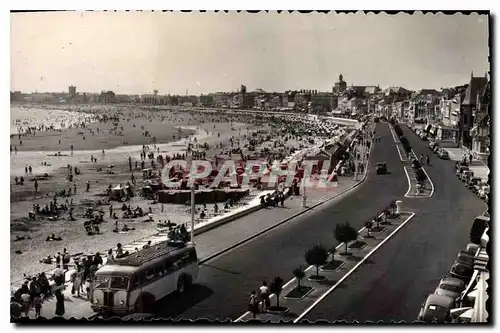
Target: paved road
{"points": [[225, 282], [408, 267]]}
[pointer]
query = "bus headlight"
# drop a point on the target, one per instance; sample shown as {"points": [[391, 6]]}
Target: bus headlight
{"points": [[122, 302], [96, 301]]}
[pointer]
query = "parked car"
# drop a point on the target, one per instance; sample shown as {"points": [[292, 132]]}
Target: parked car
{"points": [[451, 287], [484, 191], [461, 169], [478, 227], [466, 258], [432, 144], [461, 271], [460, 164], [436, 309], [477, 188], [472, 248], [381, 168], [443, 154], [471, 184], [466, 175]]}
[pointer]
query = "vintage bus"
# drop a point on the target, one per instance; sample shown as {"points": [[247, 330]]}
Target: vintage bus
{"points": [[120, 286]]}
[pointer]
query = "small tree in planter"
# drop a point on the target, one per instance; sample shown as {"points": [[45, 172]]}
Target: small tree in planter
{"points": [[368, 226], [344, 233], [276, 287], [299, 275], [317, 256], [421, 176]]}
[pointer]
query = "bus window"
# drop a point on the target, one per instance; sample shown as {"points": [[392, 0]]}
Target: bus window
{"points": [[135, 282], [150, 275], [159, 271], [168, 265], [101, 282], [119, 282]]}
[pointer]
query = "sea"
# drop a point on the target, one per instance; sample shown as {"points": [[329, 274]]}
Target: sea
{"points": [[24, 117]]}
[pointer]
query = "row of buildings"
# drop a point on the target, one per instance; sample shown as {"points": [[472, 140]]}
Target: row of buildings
{"points": [[458, 116]]}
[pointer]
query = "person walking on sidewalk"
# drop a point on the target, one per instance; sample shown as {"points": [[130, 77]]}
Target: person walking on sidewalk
{"points": [[253, 304], [264, 296]]}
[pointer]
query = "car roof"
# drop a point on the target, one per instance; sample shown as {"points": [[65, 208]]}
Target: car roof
{"points": [[439, 300], [452, 281]]}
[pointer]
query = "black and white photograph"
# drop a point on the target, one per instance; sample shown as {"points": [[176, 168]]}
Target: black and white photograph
{"points": [[267, 167]]}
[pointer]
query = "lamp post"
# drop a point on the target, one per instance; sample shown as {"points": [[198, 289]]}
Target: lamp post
{"points": [[190, 159], [304, 196], [192, 212], [355, 152]]}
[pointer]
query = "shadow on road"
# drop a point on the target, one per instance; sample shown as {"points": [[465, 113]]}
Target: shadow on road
{"points": [[173, 305]]}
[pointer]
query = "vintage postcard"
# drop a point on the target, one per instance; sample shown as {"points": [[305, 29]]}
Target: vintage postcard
{"points": [[241, 167]]}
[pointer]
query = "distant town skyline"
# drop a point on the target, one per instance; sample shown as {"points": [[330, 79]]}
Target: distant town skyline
{"points": [[139, 52]]}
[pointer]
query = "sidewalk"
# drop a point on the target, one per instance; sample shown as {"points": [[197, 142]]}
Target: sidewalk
{"points": [[217, 239], [478, 167]]}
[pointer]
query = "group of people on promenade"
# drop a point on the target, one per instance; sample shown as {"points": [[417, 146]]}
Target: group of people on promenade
{"points": [[259, 301], [36, 290]]}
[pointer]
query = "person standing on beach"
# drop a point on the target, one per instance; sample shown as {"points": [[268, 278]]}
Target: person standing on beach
{"points": [[59, 301], [36, 186], [30, 169], [111, 210], [15, 308], [71, 149], [109, 257], [74, 188], [130, 163], [88, 186], [15, 150], [37, 303], [26, 303]]}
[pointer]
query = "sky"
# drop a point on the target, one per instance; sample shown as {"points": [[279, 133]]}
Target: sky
{"points": [[138, 52]]}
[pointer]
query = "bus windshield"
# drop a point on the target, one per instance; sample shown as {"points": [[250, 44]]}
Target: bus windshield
{"points": [[101, 281], [119, 282]]}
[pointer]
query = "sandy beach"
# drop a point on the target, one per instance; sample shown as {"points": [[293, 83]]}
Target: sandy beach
{"points": [[221, 132], [74, 237]]}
